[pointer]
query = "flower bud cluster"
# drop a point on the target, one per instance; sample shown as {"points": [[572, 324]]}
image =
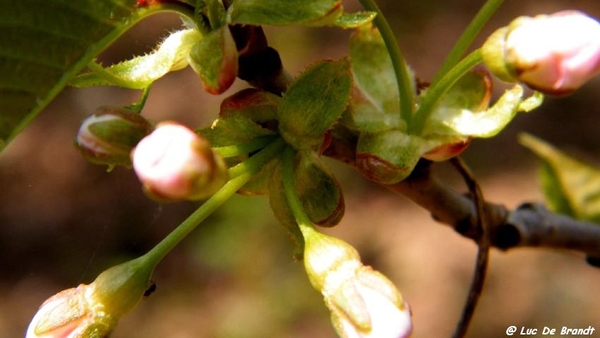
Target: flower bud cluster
{"points": [[174, 163], [555, 54], [362, 301]]}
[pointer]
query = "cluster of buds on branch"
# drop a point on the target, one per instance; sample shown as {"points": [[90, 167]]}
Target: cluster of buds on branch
{"points": [[354, 98]]}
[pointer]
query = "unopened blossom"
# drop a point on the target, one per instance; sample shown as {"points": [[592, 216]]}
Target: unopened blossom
{"points": [[363, 302], [555, 54], [93, 310], [174, 163], [109, 135]]}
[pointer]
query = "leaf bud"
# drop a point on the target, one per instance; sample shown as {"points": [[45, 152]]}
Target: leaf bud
{"points": [[174, 163], [555, 54], [319, 191], [215, 59], [362, 301], [93, 310], [109, 135], [314, 102], [387, 157]]}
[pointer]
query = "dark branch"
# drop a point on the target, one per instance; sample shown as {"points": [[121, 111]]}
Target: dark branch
{"points": [[530, 225]]}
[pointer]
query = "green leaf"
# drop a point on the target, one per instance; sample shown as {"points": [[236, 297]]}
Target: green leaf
{"points": [[44, 43], [374, 105], [284, 12], [314, 102], [570, 186]]}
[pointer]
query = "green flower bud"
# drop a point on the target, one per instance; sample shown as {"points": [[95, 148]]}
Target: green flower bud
{"points": [[174, 163], [108, 136], [93, 310], [362, 301]]}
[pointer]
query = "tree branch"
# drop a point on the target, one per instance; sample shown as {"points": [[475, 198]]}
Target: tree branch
{"points": [[529, 225]]}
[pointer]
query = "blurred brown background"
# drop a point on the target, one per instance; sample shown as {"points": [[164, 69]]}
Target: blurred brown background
{"points": [[63, 220]]}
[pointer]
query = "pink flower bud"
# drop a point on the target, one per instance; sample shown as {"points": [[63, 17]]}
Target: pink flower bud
{"points": [[174, 163], [108, 136], [70, 314], [93, 310], [555, 54], [362, 301]]}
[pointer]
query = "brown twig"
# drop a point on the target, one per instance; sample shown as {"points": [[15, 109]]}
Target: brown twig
{"points": [[530, 225]]}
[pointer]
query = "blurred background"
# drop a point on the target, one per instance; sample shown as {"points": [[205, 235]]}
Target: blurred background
{"points": [[64, 220]]}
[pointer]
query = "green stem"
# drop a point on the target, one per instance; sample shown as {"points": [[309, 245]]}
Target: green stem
{"points": [[138, 106], [291, 195], [403, 79], [251, 167], [244, 148], [435, 92], [467, 37]]}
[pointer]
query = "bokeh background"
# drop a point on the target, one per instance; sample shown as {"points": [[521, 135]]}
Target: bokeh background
{"points": [[62, 220]]}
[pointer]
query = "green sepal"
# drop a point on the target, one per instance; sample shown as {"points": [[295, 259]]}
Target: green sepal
{"points": [[319, 191], [255, 104], [387, 157], [215, 59], [570, 186], [284, 12], [374, 105], [282, 211], [348, 303], [232, 131], [141, 71], [314, 102], [120, 288]]}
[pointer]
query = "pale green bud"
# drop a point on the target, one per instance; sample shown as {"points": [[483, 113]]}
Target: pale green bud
{"points": [[108, 136]]}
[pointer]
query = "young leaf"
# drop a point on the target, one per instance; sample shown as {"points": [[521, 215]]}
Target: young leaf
{"points": [[374, 104], [466, 122], [141, 71], [44, 43], [314, 102], [570, 186], [284, 12]]}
